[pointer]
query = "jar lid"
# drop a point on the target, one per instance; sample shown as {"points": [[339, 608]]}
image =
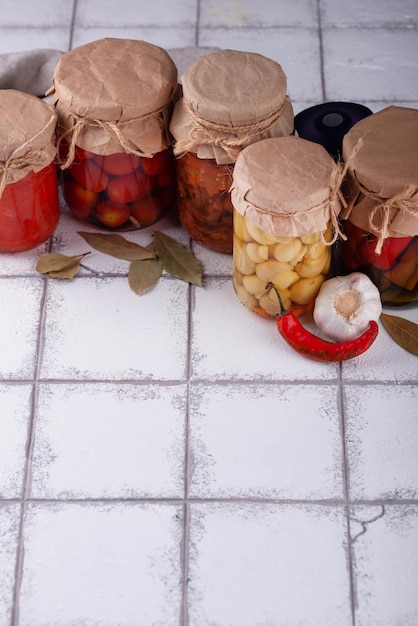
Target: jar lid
{"points": [[287, 186], [27, 135], [230, 99], [381, 154], [116, 81], [386, 162]]}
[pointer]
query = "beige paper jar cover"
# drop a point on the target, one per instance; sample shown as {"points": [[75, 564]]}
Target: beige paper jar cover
{"points": [[230, 99], [381, 152], [287, 186], [27, 135], [114, 95]]}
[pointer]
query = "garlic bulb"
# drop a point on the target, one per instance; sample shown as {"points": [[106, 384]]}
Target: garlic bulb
{"points": [[345, 305]]}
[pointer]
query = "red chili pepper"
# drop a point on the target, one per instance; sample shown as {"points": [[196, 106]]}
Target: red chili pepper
{"points": [[313, 347]]}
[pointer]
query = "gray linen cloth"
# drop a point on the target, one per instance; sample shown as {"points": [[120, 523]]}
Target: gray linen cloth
{"points": [[32, 71]]}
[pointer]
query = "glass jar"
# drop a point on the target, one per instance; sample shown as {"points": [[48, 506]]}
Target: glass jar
{"points": [[380, 220], [205, 207], [118, 168], [230, 100], [29, 205], [286, 200], [120, 190]]}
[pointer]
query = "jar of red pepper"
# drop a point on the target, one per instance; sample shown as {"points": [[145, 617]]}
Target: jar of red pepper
{"points": [[29, 207], [381, 190], [230, 100], [113, 98], [286, 199]]}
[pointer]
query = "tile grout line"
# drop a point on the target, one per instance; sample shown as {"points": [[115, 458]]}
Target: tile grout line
{"points": [[184, 616], [29, 451], [346, 489], [321, 50], [70, 42]]}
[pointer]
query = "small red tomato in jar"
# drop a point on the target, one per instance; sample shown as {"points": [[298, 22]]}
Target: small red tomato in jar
{"points": [[82, 201], [119, 163], [89, 175], [112, 214], [147, 210], [129, 187]]}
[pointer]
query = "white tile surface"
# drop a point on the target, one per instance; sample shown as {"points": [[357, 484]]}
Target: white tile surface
{"points": [[390, 13], [385, 360], [252, 564], [382, 441], [142, 13], [109, 441], [26, 38], [265, 442], [15, 413], [33, 13], [264, 13], [9, 527], [101, 564], [115, 334], [382, 65], [386, 566], [231, 342], [184, 466], [20, 306], [297, 51]]}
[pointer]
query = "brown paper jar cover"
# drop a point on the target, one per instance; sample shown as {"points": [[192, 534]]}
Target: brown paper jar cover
{"points": [[29, 207], [230, 99], [380, 220], [285, 194], [27, 135], [119, 90], [286, 186], [382, 156], [114, 98]]}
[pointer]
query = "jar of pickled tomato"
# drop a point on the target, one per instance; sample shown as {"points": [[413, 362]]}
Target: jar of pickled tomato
{"points": [[113, 99], [230, 100], [286, 199], [29, 206], [380, 220]]}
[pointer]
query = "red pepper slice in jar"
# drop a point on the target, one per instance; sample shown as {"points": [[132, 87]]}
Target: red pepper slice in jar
{"points": [[316, 348]]}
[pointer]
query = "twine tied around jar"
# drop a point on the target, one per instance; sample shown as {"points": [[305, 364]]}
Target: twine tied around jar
{"points": [[31, 159], [205, 132], [387, 209], [112, 128]]}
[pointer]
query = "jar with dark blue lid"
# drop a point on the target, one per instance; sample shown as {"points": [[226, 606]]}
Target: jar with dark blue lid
{"points": [[328, 123]]}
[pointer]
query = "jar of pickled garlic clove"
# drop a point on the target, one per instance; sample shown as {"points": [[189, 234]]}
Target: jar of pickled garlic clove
{"points": [[380, 220], [286, 200], [230, 100], [115, 150], [29, 206]]}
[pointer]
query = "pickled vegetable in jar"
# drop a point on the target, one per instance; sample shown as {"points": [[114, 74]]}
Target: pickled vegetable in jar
{"points": [[115, 150], [380, 220], [286, 200], [230, 100], [29, 206]]}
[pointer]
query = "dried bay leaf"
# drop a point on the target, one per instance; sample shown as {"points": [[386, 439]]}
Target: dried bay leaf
{"points": [[177, 260], [144, 274], [403, 331], [117, 246], [59, 265]]}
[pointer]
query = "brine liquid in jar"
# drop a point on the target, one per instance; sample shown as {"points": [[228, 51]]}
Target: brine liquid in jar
{"points": [[204, 203], [120, 190], [296, 266], [394, 270], [29, 210]]}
